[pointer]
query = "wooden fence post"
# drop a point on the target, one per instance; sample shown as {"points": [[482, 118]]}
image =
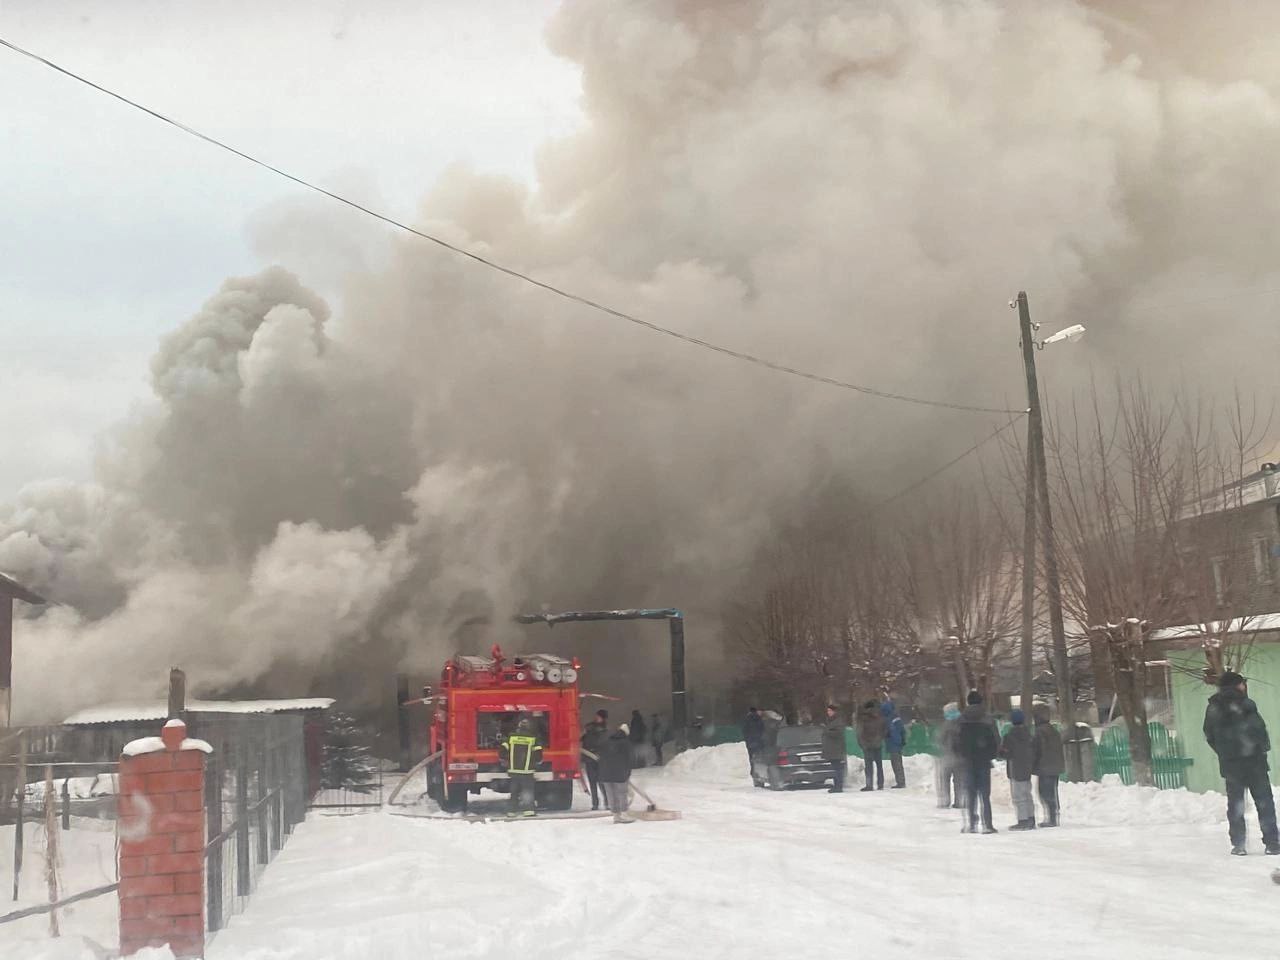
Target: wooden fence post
{"points": [[19, 828]]}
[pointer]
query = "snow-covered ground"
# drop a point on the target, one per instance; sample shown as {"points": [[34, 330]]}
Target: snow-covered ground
{"points": [[1133, 873], [86, 861]]}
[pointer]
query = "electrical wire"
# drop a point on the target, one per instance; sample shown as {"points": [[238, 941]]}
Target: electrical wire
{"points": [[872, 513], [946, 466], [501, 268]]}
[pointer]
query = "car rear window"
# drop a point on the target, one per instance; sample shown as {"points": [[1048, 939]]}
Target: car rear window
{"points": [[798, 736]]}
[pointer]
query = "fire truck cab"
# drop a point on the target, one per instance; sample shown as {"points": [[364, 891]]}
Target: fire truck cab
{"points": [[478, 704]]}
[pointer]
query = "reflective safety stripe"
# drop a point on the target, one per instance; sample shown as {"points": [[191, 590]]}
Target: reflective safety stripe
{"points": [[517, 761]]}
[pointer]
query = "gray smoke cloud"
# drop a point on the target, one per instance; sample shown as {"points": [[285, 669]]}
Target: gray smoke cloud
{"points": [[327, 489]]}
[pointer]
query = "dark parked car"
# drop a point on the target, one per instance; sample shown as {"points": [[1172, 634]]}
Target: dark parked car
{"points": [[796, 758]]}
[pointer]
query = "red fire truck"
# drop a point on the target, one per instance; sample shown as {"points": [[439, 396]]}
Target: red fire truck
{"points": [[479, 702]]}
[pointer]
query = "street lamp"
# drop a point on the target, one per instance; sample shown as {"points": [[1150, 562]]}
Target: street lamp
{"points": [[1038, 490]]}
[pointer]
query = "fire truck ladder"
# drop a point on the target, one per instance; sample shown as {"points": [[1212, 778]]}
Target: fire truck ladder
{"points": [[675, 621]]}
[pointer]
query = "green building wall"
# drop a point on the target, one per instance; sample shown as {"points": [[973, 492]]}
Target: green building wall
{"points": [[1190, 694]]}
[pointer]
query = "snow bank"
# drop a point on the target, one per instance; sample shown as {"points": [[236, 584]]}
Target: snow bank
{"points": [[78, 948], [724, 764], [79, 788]]}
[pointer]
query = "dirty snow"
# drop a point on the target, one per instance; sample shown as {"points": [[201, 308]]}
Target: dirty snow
{"points": [[751, 872]]}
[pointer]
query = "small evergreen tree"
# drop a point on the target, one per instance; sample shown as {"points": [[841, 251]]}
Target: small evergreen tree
{"points": [[348, 762]]}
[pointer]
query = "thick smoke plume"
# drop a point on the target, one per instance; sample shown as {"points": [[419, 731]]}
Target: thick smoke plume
{"points": [[322, 493]]}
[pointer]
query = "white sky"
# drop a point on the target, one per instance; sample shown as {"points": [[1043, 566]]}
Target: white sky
{"points": [[117, 227]]}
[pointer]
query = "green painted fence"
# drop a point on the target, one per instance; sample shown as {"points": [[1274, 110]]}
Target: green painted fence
{"points": [[1169, 760]]}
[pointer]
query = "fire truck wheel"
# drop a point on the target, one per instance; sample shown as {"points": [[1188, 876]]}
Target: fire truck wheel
{"points": [[556, 796], [449, 799], [454, 800]]}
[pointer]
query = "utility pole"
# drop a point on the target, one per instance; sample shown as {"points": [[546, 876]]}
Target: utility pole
{"points": [[1028, 578], [1036, 458]]}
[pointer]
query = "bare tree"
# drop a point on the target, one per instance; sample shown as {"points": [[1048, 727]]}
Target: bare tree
{"points": [[1220, 569], [1135, 483], [963, 586], [878, 630], [779, 628]]}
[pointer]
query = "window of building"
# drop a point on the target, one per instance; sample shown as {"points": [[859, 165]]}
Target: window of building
{"points": [[1219, 578], [1262, 559]]}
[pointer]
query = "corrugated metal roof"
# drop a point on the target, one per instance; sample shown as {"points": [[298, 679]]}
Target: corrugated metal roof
{"points": [[1254, 624], [159, 710]]}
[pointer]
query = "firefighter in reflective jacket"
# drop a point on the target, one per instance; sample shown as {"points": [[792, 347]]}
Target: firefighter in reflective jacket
{"points": [[521, 753]]}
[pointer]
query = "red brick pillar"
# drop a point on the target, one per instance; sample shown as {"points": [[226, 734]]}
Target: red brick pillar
{"points": [[162, 888]]}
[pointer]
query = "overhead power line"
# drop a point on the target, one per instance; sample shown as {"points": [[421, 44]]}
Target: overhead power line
{"points": [[501, 268], [905, 491]]}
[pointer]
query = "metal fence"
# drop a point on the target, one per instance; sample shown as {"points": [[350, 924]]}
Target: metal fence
{"points": [[57, 838], [1169, 761], [255, 794]]}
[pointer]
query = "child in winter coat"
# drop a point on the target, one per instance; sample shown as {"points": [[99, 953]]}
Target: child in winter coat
{"points": [[947, 764], [895, 738], [1050, 761], [1018, 751]]}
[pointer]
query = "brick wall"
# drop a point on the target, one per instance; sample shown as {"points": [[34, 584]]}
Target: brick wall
{"points": [[162, 839]]}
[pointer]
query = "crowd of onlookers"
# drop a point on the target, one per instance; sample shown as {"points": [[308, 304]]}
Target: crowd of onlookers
{"points": [[967, 744]]}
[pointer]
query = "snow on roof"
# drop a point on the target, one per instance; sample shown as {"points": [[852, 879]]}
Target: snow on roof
{"points": [[124, 712], [1255, 624], [145, 745]]}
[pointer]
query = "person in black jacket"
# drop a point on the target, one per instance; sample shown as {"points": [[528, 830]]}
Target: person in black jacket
{"points": [[638, 736], [593, 739], [753, 737], [1238, 735], [615, 772], [978, 744], [1050, 760], [834, 750]]}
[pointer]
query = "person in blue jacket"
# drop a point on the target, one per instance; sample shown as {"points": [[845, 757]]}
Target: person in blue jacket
{"points": [[895, 739]]}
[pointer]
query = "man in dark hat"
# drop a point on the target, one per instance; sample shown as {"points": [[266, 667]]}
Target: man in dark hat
{"points": [[1238, 735], [979, 742], [593, 739], [833, 747]]}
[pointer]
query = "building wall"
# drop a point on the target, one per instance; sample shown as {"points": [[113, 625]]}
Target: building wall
{"points": [[1191, 694], [1251, 583]]}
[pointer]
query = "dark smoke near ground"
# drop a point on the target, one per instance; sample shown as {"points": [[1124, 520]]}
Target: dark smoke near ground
{"points": [[325, 492]]}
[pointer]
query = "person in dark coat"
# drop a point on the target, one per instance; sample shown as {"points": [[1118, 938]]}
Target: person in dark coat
{"points": [[639, 737], [1238, 735], [895, 740], [1048, 764], [950, 770], [871, 740], [615, 772], [833, 748], [1018, 751], [979, 743], [657, 737], [753, 737], [594, 736]]}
